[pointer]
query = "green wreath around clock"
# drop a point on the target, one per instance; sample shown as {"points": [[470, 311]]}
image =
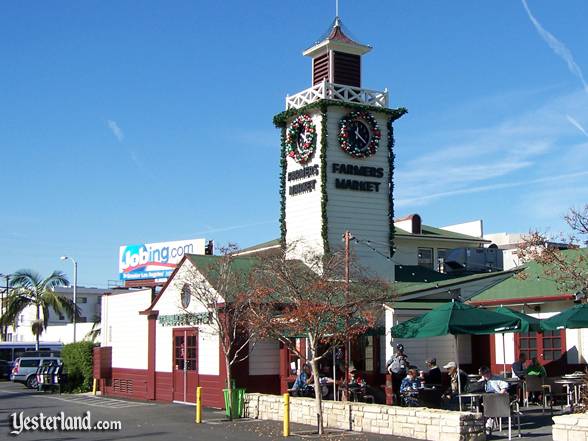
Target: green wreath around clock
{"points": [[359, 134], [301, 139]]}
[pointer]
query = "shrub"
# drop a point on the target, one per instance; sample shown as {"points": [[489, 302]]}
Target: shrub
{"points": [[77, 361]]}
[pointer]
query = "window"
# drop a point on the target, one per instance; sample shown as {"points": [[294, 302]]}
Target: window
{"points": [[82, 300], [61, 316], [425, 257], [547, 347], [369, 353], [552, 349], [82, 319], [441, 253], [29, 362]]}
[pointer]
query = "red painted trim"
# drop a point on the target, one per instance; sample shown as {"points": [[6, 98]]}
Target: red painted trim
{"points": [[284, 368], [523, 300], [151, 334]]}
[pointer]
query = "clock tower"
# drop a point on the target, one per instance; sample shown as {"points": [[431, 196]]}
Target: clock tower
{"points": [[337, 159]]}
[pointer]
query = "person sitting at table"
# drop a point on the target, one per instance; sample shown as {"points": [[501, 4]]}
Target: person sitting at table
{"points": [[518, 367], [302, 386], [451, 395], [433, 376], [492, 383], [409, 389], [536, 369]]}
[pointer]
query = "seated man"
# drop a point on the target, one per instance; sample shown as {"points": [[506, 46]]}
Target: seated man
{"points": [[492, 383], [301, 387], [433, 376], [451, 395], [518, 367], [409, 389]]}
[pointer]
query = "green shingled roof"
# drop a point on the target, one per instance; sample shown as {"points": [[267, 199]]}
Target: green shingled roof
{"points": [[404, 288], [531, 283]]}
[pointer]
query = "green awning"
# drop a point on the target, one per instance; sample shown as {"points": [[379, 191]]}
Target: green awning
{"points": [[455, 318]]}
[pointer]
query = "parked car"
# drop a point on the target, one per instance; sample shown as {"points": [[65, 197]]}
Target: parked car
{"points": [[25, 369], [5, 369]]}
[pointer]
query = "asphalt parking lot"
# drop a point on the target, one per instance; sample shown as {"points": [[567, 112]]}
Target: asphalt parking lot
{"points": [[141, 420]]}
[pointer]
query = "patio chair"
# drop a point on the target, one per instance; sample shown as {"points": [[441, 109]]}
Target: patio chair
{"points": [[535, 385], [498, 406], [554, 393]]}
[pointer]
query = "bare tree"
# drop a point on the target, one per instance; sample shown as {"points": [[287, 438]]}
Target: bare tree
{"points": [[310, 299], [560, 256], [220, 286]]}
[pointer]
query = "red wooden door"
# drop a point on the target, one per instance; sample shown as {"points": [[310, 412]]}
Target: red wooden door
{"points": [[185, 364]]}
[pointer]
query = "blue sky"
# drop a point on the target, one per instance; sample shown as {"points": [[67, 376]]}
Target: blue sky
{"points": [[143, 121]]}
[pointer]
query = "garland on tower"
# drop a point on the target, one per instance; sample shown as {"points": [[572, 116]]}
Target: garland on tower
{"points": [[324, 195], [343, 138], [391, 158], [283, 163], [301, 152]]}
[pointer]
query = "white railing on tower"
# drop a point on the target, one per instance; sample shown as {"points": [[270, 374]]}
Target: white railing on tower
{"points": [[338, 92]]}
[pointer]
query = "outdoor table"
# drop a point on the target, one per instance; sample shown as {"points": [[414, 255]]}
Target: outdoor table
{"points": [[573, 389], [472, 396]]}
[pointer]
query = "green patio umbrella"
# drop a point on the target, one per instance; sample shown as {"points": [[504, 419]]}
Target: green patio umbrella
{"points": [[528, 324], [455, 318], [573, 318]]}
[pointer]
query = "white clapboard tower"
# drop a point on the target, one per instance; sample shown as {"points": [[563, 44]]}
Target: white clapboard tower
{"points": [[337, 159]]}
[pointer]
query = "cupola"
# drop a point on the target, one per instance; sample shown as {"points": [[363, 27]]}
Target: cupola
{"points": [[337, 58]]}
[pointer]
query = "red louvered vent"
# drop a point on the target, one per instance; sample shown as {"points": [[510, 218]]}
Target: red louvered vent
{"points": [[320, 69], [347, 69]]}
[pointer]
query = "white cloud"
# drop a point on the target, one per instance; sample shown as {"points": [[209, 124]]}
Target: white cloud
{"points": [[577, 125], [116, 130], [482, 188], [557, 46], [526, 148]]}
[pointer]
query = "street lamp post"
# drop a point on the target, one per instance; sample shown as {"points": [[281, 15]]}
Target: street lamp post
{"points": [[3, 300], [75, 291]]}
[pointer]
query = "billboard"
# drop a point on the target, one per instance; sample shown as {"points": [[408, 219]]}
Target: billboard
{"points": [[155, 260]]}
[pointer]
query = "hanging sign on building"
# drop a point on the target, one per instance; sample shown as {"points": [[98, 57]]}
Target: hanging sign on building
{"points": [[187, 319], [155, 260]]}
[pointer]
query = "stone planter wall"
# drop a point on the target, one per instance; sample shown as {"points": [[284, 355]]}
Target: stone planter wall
{"points": [[413, 422], [572, 427]]}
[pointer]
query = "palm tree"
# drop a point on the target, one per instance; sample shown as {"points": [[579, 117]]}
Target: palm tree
{"points": [[29, 289]]}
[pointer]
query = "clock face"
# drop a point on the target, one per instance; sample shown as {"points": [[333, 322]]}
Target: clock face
{"points": [[301, 139], [359, 135]]}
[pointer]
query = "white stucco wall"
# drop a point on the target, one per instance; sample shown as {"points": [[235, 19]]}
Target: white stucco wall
{"points": [[124, 329]]}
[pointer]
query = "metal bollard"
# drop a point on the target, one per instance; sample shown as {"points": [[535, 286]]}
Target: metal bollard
{"points": [[286, 414], [94, 386], [198, 418]]}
